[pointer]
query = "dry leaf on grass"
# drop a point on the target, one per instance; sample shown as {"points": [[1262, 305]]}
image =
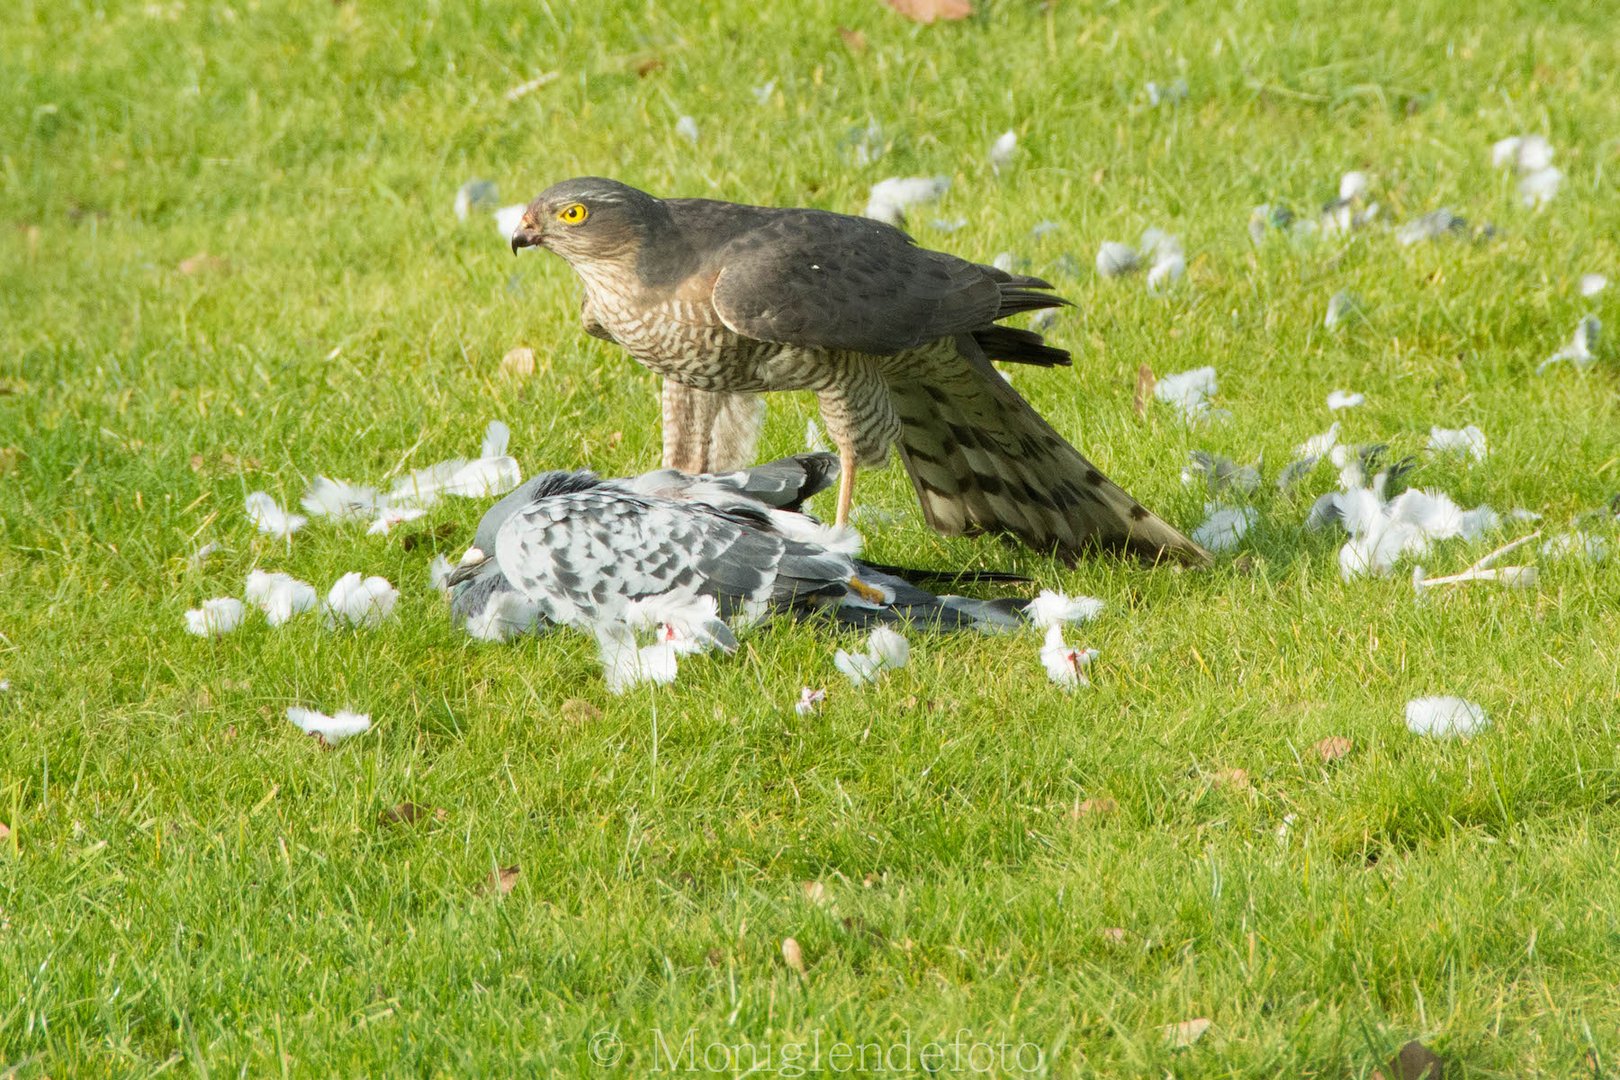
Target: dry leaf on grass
{"points": [[1414, 1061], [793, 955], [518, 362], [815, 892], [929, 11], [1114, 935], [500, 882], [1333, 748], [1185, 1033], [409, 813], [1100, 806], [578, 711], [649, 65], [202, 262], [715, 958], [5, 831], [1231, 779], [854, 40], [1145, 382]]}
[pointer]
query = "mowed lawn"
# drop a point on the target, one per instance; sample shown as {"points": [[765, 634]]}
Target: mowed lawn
{"points": [[966, 856]]}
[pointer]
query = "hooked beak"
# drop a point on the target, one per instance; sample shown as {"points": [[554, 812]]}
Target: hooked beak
{"points": [[525, 236]]}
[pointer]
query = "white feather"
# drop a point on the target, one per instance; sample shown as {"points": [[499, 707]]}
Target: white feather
{"points": [[359, 601], [218, 616], [1344, 399], [280, 596], [269, 517], [1592, 284], [1539, 188], [1581, 348], [1002, 150], [439, 571], [331, 728], [810, 701], [389, 516], [1188, 392], [884, 649], [1224, 526], [496, 438], [1052, 608], [508, 218], [891, 198], [1065, 666], [1468, 440], [1116, 260], [1444, 717]]}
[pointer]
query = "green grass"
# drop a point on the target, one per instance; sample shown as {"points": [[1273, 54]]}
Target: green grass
{"points": [[190, 886]]}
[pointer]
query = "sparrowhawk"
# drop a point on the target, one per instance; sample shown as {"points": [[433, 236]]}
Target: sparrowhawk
{"points": [[726, 301]]}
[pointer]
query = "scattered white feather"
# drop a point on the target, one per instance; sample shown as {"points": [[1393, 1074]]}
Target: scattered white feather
{"points": [[1055, 609], [497, 437], [1002, 150], [891, 198], [1539, 188], [810, 701], [280, 596], [201, 555], [814, 440], [1218, 473], [626, 664], [1353, 185], [359, 601], [1307, 455], [1168, 94], [439, 571], [1340, 305], [389, 516], [1579, 544], [1430, 226], [1344, 399], [1004, 261], [1381, 534], [1116, 260], [1581, 350], [331, 729], [948, 225], [1043, 321], [1224, 526], [472, 479], [1444, 717], [508, 218], [339, 499], [1045, 228], [687, 128], [504, 617], [1592, 284], [1165, 272], [884, 649], [524, 88], [762, 93], [1065, 666], [1468, 440], [218, 616], [1524, 153], [474, 195], [269, 517], [1188, 392]]}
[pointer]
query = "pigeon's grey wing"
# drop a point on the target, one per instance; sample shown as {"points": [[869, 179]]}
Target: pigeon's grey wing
{"points": [[584, 557], [543, 486], [830, 281]]}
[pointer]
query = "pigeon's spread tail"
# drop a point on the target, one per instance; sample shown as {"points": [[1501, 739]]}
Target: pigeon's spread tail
{"points": [[983, 460]]}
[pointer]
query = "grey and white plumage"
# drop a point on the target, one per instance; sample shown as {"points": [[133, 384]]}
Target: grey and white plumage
{"points": [[727, 302], [574, 549]]}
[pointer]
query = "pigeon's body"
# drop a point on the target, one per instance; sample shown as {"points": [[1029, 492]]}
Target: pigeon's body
{"points": [[571, 548], [729, 301]]}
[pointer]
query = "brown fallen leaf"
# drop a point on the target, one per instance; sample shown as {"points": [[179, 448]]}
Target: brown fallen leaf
{"points": [[1100, 806], [5, 831], [518, 362], [854, 40], [1145, 382], [1114, 935], [1231, 779], [1185, 1033], [578, 711], [202, 262], [648, 65], [1414, 1061], [500, 882], [409, 813], [715, 958], [9, 456], [930, 11], [1333, 748], [815, 892], [793, 955]]}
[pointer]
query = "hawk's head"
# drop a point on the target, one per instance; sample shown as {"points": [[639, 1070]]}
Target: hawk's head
{"points": [[588, 218]]}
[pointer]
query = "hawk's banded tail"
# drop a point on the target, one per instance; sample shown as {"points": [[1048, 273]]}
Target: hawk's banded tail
{"points": [[983, 460]]}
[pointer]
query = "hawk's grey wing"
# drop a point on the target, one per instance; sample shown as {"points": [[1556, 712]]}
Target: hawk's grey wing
{"points": [[823, 280]]}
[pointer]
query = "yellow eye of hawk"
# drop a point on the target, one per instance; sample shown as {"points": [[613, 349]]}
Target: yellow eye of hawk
{"points": [[573, 214]]}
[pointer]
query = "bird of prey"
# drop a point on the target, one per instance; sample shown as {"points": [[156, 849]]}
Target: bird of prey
{"points": [[571, 548], [727, 301]]}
